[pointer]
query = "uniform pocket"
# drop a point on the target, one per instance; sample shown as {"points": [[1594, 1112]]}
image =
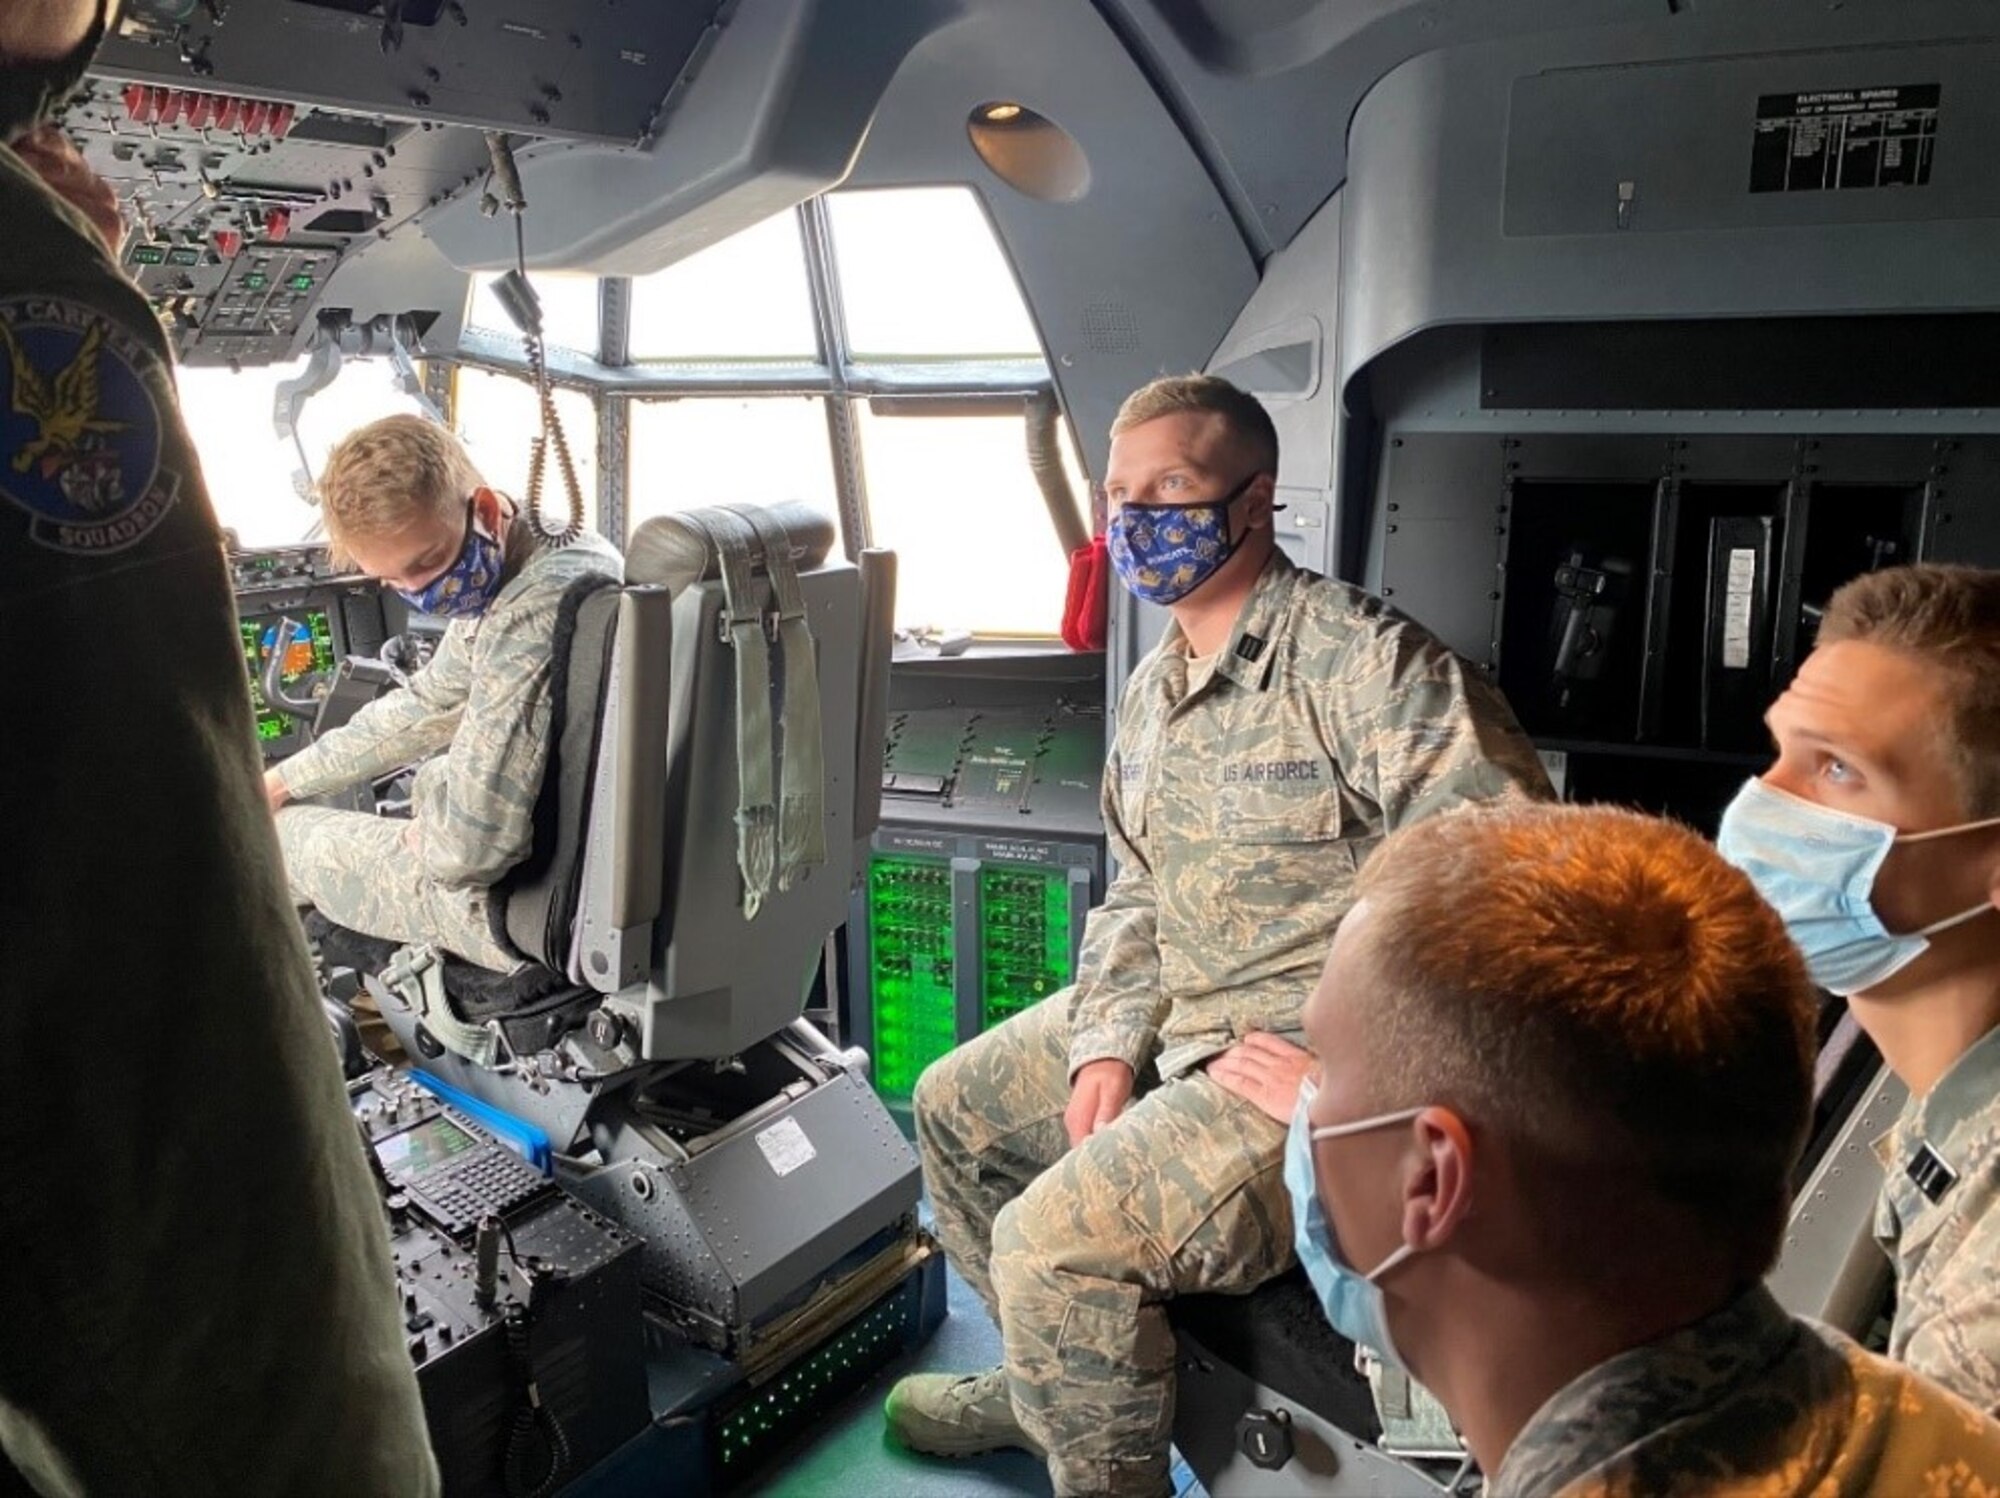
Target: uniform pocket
{"points": [[1214, 1202], [1266, 814]]}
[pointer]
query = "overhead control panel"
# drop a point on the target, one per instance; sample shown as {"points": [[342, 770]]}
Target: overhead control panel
{"points": [[573, 69], [241, 208]]}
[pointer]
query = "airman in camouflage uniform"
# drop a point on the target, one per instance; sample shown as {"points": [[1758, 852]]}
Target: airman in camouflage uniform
{"points": [[1566, 1066], [1241, 796], [1752, 1400], [197, 1295], [1874, 836], [485, 699], [1947, 1250]]}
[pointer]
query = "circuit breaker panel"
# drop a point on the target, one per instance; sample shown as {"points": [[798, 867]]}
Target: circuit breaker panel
{"points": [[989, 857]]}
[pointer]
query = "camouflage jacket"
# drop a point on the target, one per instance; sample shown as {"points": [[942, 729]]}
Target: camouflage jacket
{"points": [[1240, 809], [1752, 1400], [187, 1305], [486, 698], [1947, 1249]]}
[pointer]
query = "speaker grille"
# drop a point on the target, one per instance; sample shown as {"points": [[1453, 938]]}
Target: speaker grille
{"points": [[1110, 328]]}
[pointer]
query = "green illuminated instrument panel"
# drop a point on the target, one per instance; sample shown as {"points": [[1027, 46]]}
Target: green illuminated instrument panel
{"points": [[962, 932], [1024, 939], [910, 968], [305, 654], [788, 1406]]}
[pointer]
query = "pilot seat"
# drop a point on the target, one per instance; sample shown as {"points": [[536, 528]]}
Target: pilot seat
{"points": [[695, 840]]}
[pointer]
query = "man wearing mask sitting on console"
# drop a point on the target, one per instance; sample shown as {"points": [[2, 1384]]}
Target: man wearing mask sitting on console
{"points": [[1119, 1143], [1566, 1062], [404, 503]]}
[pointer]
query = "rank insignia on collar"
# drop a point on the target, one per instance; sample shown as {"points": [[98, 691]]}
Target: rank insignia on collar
{"points": [[1928, 1169]]}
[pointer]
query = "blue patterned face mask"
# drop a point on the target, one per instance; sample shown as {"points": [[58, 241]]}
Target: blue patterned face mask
{"points": [[1351, 1300], [1816, 867], [468, 586], [1164, 552]]}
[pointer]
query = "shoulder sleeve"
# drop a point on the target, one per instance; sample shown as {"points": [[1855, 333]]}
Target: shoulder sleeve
{"points": [[1416, 730], [391, 731], [1949, 1329], [144, 862], [476, 818]]}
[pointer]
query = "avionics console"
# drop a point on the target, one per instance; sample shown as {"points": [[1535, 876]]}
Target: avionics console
{"points": [[340, 615], [520, 1304], [989, 856]]}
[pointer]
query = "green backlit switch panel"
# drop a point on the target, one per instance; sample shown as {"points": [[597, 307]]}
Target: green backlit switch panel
{"points": [[1024, 939], [956, 932], [910, 968], [779, 1412]]}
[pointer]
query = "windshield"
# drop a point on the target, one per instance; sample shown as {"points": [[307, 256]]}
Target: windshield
{"points": [[248, 467]]}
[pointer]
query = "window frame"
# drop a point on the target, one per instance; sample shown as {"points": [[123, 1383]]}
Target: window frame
{"points": [[614, 380]]}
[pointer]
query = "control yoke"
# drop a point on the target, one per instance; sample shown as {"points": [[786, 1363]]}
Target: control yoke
{"points": [[305, 709]]}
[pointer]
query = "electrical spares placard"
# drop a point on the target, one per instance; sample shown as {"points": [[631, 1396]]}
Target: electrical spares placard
{"points": [[1845, 138]]}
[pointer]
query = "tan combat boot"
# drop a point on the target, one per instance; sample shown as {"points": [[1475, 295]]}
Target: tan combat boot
{"points": [[955, 1414]]}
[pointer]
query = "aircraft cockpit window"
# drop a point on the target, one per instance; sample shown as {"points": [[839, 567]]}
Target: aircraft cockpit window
{"points": [[746, 298], [924, 363], [953, 495], [498, 416], [248, 467], [569, 309], [716, 449], [922, 277]]}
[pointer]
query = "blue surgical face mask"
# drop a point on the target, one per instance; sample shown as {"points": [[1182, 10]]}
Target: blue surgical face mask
{"points": [[470, 584], [1351, 1300], [1164, 552], [1817, 868]]}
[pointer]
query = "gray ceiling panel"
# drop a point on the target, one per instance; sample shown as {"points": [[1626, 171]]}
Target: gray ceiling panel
{"points": [[1144, 273], [1267, 89], [773, 112], [1438, 232]]}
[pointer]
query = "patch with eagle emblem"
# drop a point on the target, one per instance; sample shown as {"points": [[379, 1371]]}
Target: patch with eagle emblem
{"points": [[79, 427]]}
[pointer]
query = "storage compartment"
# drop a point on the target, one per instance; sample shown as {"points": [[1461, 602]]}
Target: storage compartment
{"points": [[1726, 551], [1852, 529], [1658, 592], [1573, 626]]}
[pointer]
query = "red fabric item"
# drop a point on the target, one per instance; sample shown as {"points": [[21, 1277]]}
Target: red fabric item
{"points": [[1087, 610]]}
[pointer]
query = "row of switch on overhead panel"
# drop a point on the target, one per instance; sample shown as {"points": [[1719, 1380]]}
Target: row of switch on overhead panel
{"points": [[163, 108], [263, 288]]}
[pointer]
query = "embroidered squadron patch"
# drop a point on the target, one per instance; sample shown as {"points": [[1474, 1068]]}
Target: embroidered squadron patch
{"points": [[79, 428]]}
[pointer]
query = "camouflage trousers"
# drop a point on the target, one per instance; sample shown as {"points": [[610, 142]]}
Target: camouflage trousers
{"points": [[1076, 1251], [357, 871]]}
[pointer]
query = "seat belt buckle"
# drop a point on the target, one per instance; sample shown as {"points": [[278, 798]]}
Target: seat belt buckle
{"points": [[730, 628]]}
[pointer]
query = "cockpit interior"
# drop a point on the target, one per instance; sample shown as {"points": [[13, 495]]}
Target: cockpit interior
{"points": [[1606, 338]]}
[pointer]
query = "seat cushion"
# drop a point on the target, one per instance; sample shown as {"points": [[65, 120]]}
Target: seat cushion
{"points": [[534, 1004], [1277, 1336]]}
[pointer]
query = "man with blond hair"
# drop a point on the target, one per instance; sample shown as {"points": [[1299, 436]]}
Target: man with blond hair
{"points": [[1565, 1068], [1119, 1143], [1877, 837], [404, 503]]}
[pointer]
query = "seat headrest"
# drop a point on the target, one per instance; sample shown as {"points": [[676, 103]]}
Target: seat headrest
{"points": [[669, 551]]}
